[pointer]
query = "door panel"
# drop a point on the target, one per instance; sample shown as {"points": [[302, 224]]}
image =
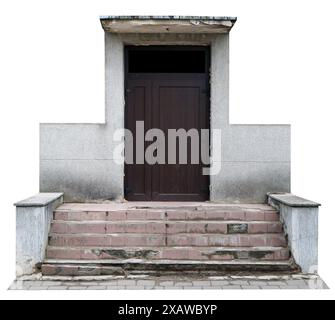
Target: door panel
{"points": [[138, 108], [178, 104]]}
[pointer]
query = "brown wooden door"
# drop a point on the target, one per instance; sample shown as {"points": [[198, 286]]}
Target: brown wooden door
{"points": [[166, 101], [138, 176]]}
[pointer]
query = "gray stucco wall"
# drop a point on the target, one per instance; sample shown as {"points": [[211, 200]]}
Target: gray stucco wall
{"points": [[77, 159], [255, 158]]}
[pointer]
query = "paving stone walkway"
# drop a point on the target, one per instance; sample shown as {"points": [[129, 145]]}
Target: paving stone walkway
{"points": [[171, 283]]}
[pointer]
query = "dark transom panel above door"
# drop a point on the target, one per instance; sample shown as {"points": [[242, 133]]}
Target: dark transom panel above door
{"points": [[167, 100]]}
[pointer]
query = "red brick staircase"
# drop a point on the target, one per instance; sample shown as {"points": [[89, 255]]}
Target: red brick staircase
{"points": [[207, 239]]}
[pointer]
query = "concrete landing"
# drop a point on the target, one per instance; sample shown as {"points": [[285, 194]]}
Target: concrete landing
{"points": [[266, 282], [114, 205]]}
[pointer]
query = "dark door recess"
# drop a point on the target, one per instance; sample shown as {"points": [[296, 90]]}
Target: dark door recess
{"points": [[167, 87]]}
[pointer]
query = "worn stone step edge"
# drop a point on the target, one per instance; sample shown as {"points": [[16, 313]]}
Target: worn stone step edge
{"points": [[171, 210], [150, 240], [163, 222], [188, 239], [166, 216], [138, 276], [83, 235], [175, 227], [80, 268], [162, 262], [179, 207], [177, 253], [172, 247]]}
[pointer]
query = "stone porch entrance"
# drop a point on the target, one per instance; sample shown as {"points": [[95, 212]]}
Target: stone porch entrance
{"points": [[114, 238], [166, 238]]}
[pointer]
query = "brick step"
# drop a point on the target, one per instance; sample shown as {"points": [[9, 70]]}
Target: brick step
{"points": [[163, 267], [168, 215], [169, 253], [162, 227], [180, 240]]}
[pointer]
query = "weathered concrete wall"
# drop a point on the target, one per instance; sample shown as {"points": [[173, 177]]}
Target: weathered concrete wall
{"points": [[78, 158], [255, 158], [301, 222], [33, 220]]}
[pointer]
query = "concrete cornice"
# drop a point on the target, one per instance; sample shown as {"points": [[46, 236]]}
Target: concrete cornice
{"points": [[40, 200], [291, 200], [167, 24]]}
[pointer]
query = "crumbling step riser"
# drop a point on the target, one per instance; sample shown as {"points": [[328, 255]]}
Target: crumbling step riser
{"points": [[163, 269], [60, 227], [175, 253], [168, 215], [152, 240]]}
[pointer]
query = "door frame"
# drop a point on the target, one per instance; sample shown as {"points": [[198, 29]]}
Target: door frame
{"points": [[127, 76]]}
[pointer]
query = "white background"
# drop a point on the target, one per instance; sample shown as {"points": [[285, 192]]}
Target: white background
{"points": [[282, 71]]}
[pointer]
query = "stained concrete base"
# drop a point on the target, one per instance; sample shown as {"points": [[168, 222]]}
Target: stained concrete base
{"points": [[143, 282]]}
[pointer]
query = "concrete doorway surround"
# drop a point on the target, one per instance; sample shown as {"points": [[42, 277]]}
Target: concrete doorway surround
{"points": [[78, 159]]}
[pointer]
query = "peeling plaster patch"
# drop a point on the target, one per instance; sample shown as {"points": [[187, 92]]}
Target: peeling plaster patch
{"points": [[237, 228], [229, 254], [123, 254], [259, 254]]}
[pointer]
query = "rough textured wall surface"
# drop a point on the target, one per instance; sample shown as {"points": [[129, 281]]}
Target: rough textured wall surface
{"points": [[32, 231], [300, 218], [77, 159]]}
